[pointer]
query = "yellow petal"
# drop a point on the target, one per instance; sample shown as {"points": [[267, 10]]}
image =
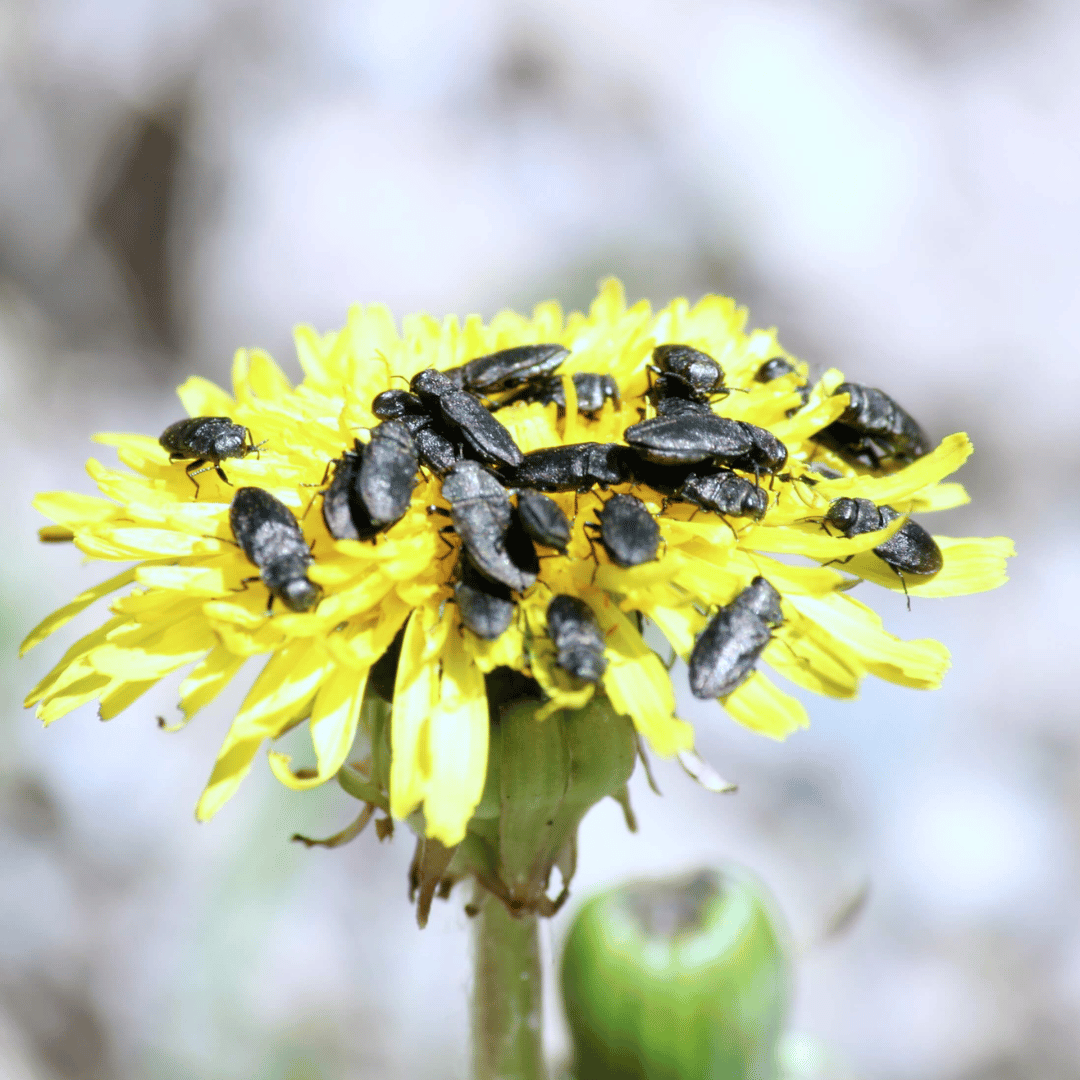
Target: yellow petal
{"points": [[761, 707], [333, 722], [120, 695], [206, 680], [160, 652], [201, 397], [416, 690], [72, 695], [71, 661], [62, 616], [459, 746], [281, 695], [72, 510], [638, 686], [921, 663]]}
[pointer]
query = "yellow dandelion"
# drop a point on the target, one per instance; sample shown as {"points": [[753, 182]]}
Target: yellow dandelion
{"points": [[378, 628]]}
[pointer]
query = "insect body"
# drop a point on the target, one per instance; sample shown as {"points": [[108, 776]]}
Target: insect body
{"points": [[434, 446], [724, 492], [726, 651], [481, 512], [628, 531], [873, 430], [507, 368], [689, 438], [766, 454], [486, 606], [543, 520], [573, 629], [207, 439], [592, 391], [470, 422], [576, 467], [777, 368], [685, 373], [343, 511], [388, 472], [271, 538], [910, 550]]}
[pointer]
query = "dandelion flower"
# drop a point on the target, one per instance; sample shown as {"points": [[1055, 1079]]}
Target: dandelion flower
{"points": [[185, 599]]}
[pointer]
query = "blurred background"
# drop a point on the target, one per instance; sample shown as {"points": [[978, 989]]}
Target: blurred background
{"points": [[891, 182]]}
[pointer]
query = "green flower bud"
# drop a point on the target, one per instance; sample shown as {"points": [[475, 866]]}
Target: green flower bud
{"points": [[677, 980]]}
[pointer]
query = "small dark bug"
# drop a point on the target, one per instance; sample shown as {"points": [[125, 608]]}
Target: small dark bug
{"points": [[628, 531], [592, 391], [685, 372], [486, 606], [207, 439], [873, 430], [434, 446], [911, 550], [577, 467], [271, 538], [573, 629], [676, 406], [484, 436], [507, 368], [777, 368], [481, 511], [388, 472], [725, 492], [726, 651], [543, 519], [343, 510], [689, 438]]}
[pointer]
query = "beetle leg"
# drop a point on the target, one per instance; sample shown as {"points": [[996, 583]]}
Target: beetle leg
{"points": [[193, 470], [221, 472]]}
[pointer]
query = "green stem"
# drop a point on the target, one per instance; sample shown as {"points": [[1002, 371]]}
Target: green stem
{"points": [[507, 1005]]}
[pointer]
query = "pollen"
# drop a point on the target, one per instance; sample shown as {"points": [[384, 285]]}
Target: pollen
{"points": [[433, 505]]}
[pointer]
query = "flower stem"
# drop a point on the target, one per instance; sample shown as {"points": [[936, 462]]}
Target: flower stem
{"points": [[507, 1005]]}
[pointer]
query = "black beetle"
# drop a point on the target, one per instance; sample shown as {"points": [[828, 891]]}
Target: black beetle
{"points": [[686, 439], [484, 436], [481, 511], [726, 651], [910, 550], [207, 439], [434, 446], [873, 430], [724, 492], [685, 372], [388, 472], [628, 531], [486, 606], [507, 368], [271, 538], [573, 629], [576, 467], [592, 391], [543, 519], [343, 510]]}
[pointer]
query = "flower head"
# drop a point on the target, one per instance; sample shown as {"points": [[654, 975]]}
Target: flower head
{"points": [[382, 610]]}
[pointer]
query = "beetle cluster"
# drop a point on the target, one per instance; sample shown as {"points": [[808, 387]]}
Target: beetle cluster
{"points": [[499, 499]]}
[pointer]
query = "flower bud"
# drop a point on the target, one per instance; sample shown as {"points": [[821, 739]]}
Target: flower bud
{"points": [[673, 980]]}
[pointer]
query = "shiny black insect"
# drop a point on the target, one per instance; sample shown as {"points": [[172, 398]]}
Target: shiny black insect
{"points": [[343, 510], [628, 531], [482, 435], [482, 514], [388, 472], [209, 440], [777, 368], [486, 606], [543, 520], [873, 430], [573, 629], [726, 651], [910, 550], [507, 368], [577, 467], [271, 538], [434, 445], [766, 454], [724, 492], [592, 391], [688, 438], [684, 373]]}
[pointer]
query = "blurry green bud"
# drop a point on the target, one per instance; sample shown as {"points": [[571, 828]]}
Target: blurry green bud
{"points": [[676, 980]]}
